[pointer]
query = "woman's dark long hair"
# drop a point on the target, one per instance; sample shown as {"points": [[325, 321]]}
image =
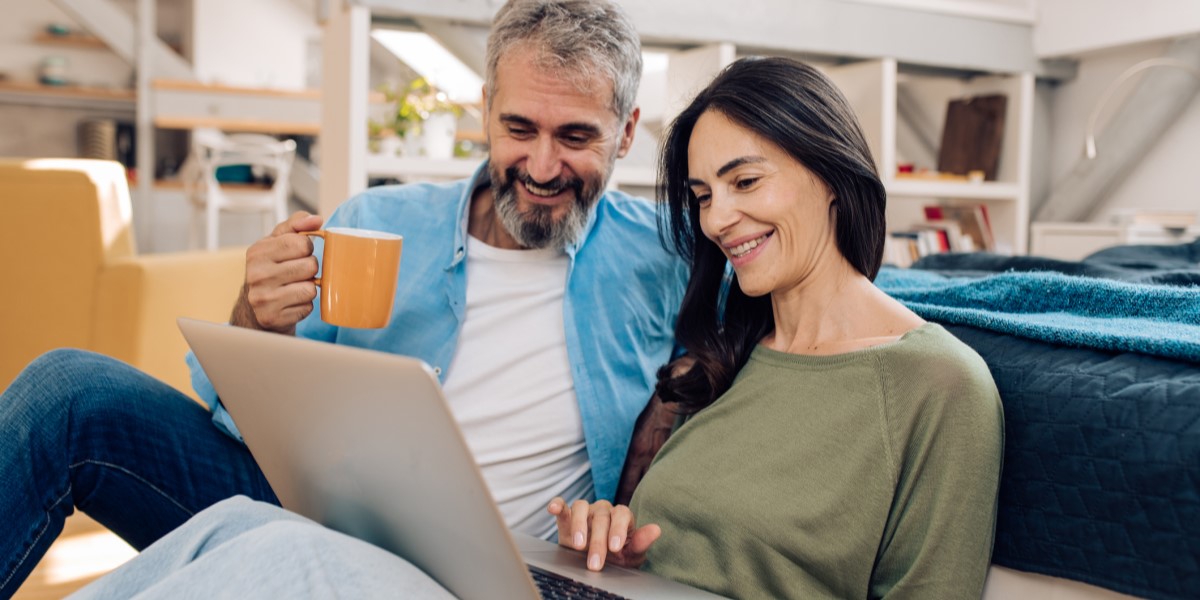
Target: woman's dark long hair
{"points": [[798, 109]]}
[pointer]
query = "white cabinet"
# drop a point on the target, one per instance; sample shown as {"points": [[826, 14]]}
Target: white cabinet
{"points": [[1073, 241], [875, 88]]}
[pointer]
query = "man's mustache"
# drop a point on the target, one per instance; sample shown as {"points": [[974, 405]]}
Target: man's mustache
{"points": [[514, 174]]}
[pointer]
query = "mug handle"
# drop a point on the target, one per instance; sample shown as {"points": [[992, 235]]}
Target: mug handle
{"points": [[321, 234]]}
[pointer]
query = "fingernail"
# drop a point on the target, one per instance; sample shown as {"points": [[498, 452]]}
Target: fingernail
{"points": [[579, 540], [594, 562], [615, 544]]}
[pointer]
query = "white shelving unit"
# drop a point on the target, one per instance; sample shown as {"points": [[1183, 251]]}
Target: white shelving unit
{"points": [[871, 87], [427, 169]]}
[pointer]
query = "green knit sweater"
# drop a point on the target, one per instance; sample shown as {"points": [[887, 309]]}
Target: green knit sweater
{"points": [[870, 474]]}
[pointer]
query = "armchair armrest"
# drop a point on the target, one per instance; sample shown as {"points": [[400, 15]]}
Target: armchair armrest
{"points": [[138, 299]]}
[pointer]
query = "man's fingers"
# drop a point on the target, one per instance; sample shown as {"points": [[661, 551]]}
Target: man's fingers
{"points": [[281, 294], [279, 249], [298, 222]]}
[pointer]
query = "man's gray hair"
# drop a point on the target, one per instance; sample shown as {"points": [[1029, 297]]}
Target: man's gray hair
{"points": [[580, 40]]}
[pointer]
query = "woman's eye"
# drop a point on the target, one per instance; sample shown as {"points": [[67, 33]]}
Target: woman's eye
{"points": [[703, 199], [745, 183]]}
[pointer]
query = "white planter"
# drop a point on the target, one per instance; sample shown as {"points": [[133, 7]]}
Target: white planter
{"points": [[437, 135], [390, 146]]}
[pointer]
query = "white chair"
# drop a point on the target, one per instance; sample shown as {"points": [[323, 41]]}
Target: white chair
{"points": [[264, 155]]}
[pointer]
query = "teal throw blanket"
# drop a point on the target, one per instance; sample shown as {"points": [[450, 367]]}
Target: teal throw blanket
{"points": [[1061, 309]]}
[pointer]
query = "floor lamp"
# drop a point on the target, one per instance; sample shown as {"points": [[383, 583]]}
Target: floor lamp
{"points": [[1090, 140]]}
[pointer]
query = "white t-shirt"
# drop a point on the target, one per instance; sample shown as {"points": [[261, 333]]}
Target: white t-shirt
{"points": [[510, 385]]}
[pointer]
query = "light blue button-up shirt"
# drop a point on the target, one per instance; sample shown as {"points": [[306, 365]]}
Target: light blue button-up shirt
{"points": [[622, 297]]}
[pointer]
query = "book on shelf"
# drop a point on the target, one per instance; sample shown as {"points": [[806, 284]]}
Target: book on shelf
{"points": [[972, 222], [958, 228], [903, 248]]}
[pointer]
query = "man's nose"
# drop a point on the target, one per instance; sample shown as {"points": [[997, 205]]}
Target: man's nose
{"points": [[545, 160]]}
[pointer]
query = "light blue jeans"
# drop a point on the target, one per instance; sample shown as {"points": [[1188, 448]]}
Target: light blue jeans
{"points": [[81, 430], [240, 548]]}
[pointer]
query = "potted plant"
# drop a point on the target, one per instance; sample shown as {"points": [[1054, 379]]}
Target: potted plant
{"points": [[423, 116]]}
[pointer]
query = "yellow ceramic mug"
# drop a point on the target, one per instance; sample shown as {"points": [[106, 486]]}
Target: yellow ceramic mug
{"points": [[359, 269]]}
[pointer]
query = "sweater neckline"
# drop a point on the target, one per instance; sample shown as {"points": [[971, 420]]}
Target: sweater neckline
{"points": [[765, 354]]}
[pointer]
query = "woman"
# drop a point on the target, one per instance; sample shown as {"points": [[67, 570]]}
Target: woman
{"points": [[836, 445]]}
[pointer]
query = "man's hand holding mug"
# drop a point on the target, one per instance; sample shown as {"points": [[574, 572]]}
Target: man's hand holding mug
{"points": [[358, 276]]}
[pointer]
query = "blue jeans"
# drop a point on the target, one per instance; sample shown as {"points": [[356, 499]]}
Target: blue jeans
{"points": [[243, 549], [81, 430]]}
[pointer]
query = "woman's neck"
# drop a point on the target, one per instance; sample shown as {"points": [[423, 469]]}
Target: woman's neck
{"points": [[836, 310]]}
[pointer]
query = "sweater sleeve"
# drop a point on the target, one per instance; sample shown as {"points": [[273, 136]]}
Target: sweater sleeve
{"points": [[947, 433]]}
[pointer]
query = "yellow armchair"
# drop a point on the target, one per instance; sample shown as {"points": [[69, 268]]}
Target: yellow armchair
{"points": [[73, 277]]}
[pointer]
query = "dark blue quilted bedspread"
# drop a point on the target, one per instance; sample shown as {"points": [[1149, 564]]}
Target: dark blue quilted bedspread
{"points": [[1101, 479]]}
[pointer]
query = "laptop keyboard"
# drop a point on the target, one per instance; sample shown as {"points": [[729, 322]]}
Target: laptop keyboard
{"points": [[556, 587]]}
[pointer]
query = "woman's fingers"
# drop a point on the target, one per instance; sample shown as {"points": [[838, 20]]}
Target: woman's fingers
{"points": [[605, 532], [643, 538], [579, 524], [597, 548], [633, 554], [562, 517], [622, 524]]}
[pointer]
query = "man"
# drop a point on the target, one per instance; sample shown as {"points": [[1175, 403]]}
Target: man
{"points": [[544, 303]]}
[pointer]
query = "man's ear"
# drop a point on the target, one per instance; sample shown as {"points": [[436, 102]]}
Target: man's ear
{"points": [[484, 99], [627, 132]]}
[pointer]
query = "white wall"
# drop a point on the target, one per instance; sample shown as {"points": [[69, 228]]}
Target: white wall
{"points": [[1072, 27], [259, 43], [1167, 177], [1019, 11]]}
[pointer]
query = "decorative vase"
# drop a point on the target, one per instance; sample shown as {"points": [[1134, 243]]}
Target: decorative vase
{"points": [[437, 135]]}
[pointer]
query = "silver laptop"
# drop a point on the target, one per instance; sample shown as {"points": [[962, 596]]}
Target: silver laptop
{"points": [[364, 442]]}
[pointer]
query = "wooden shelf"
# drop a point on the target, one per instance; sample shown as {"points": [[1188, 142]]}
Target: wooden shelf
{"points": [[68, 91], [66, 96], [71, 40], [238, 125], [240, 91]]}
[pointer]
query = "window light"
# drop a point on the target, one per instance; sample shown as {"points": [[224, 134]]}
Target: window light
{"points": [[433, 62]]}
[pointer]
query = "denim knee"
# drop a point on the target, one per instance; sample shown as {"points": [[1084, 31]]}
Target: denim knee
{"points": [[239, 514], [240, 508], [48, 386]]}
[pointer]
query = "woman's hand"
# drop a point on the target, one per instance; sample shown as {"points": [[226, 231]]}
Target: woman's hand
{"points": [[604, 531]]}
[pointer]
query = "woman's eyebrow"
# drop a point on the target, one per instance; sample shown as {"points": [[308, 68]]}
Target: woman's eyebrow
{"points": [[737, 162], [729, 166]]}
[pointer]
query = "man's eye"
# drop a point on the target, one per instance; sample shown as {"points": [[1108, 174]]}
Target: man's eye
{"points": [[577, 140], [518, 132]]}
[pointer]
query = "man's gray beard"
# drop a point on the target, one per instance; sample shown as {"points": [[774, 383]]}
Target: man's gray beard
{"points": [[537, 228]]}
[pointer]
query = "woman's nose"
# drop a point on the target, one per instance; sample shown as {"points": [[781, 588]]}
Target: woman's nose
{"points": [[720, 215]]}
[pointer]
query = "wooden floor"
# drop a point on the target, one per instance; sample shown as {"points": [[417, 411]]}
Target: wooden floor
{"points": [[84, 551]]}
